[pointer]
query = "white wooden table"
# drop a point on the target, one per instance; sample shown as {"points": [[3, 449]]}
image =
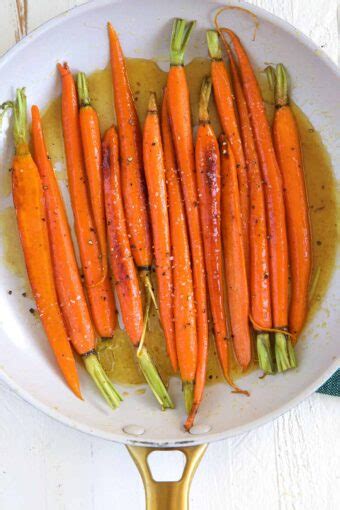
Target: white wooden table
{"points": [[291, 463]]}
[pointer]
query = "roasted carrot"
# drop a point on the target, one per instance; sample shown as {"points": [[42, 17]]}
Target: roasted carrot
{"points": [[123, 267], [288, 151], [31, 217], [183, 302], [93, 264], [275, 208], [91, 142], [208, 176], [153, 158], [180, 119], [235, 266], [69, 288], [224, 99], [259, 281], [131, 154]]}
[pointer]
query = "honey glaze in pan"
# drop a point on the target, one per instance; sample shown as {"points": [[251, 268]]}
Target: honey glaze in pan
{"points": [[117, 355]]}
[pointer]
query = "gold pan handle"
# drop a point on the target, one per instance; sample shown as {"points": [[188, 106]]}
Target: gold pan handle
{"points": [[167, 495]]}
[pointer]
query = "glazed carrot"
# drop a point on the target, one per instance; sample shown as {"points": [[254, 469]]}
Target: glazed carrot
{"points": [[288, 151], [131, 153], [224, 99], [180, 119], [208, 176], [259, 281], [96, 276], [30, 212], [68, 284], [183, 302], [155, 179], [235, 267], [276, 221], [91, 142], [123, 267]]}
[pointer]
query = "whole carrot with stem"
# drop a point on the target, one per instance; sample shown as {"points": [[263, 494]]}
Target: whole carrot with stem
{"points": [[93, 263], [235, 265], [155, 179], [31, 218], [91, 143], [71, 297], [224, 99], [275, 208], [288, 150], [180, 119], [132, 174], [123, 267], [259, 281], [92, 150], [208, 177], [183, 301]]}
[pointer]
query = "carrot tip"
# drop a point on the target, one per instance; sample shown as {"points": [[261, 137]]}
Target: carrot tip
{"points": [[153, 379], [77, 393], [284, 353], [264, 353], [239, 391], [63, 68], [152, 106], [190, 419], [101, 380]]}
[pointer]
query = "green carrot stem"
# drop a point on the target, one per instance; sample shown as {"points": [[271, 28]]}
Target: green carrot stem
{"points": [[4, 107], [145, 323], [103, 383], [314, 284], [271, 77], [83, 91], [214, 46], [181, 31], [188, 391], [153, 378], [203, 112], [146, 364], [264, 353], [145, 276], [291, 354], [20, 122], [284, 353], [281, 86]]}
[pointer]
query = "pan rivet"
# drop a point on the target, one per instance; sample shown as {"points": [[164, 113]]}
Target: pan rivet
{"points": [[200, 429], [134, 430]]}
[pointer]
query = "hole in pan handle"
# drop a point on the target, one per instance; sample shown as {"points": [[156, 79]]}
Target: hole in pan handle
{"points": [[167, 495]]}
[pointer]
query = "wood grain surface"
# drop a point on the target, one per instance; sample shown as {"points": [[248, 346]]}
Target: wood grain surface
{"points": [[291, 463]]}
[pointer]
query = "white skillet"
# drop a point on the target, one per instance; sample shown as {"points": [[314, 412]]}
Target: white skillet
{"points": [[26, 362]]}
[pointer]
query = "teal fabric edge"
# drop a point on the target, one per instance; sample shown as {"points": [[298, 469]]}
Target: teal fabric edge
{"points": [[332, 386]]}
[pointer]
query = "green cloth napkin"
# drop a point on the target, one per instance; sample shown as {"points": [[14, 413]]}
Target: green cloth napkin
{"points": [[332, 386]]}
